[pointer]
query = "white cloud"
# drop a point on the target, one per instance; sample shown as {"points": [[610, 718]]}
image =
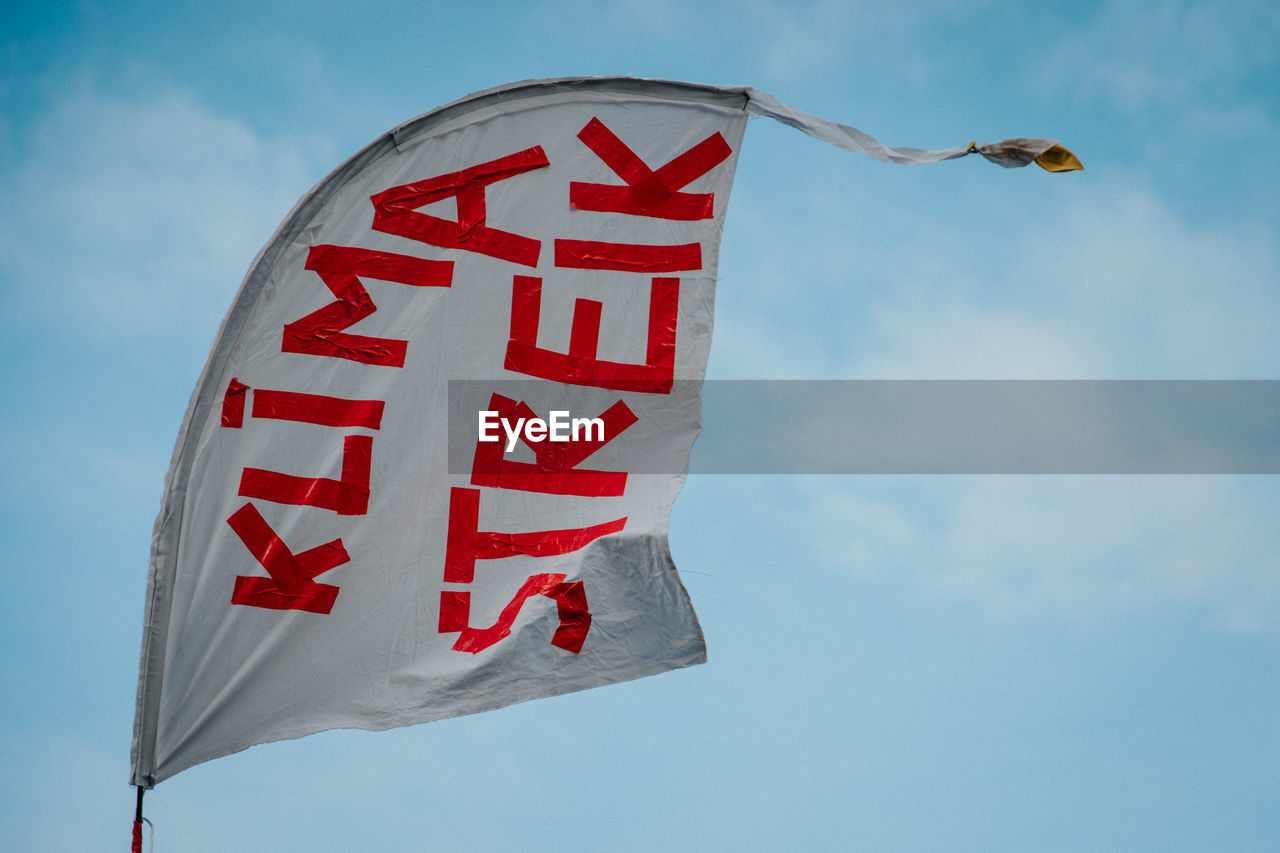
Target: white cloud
{"points": [[803, 37], [1113, 284], [923, 334], [1075, 550], [799, 39], [138, 216], [864, 535], [663, 19], [1147, 294], [1088, 547], [1141, 56], [1106, 282]]}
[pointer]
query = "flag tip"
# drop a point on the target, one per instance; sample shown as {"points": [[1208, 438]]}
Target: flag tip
{"points": [[1059, 159]]}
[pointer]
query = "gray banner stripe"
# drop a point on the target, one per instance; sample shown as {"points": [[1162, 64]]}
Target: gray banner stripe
{"points": [[990, 427], [932, 427]]}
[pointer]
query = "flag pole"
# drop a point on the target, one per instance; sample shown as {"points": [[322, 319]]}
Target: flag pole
{"points": [[136, 847]]}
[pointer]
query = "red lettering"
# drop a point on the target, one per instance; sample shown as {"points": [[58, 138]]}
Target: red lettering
{"points": [[317, 409], [341, 268], [395, 210], [297, 406], [648, 192], [233, 403], [580, 366], [575, 616], [628, 257], [348, 495], [466, 543], [290, 585], [554, 471], [571, 606]]}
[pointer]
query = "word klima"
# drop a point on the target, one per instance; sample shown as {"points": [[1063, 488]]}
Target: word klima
{"points": [[559, 428]]}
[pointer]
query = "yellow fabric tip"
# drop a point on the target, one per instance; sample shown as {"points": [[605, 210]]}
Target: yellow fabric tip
{"points": [[1059, 159]]}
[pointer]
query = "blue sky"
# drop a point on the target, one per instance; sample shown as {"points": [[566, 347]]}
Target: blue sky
{"points": [[896, 663]]}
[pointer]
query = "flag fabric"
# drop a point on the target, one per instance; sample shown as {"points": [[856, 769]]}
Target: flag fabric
{"points": [[334, 549]]}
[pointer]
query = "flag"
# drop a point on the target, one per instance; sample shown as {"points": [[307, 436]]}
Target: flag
{"points": [[408, 484]]}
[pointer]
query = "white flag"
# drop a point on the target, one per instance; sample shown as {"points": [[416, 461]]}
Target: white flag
{"points": [[322, 559]]}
